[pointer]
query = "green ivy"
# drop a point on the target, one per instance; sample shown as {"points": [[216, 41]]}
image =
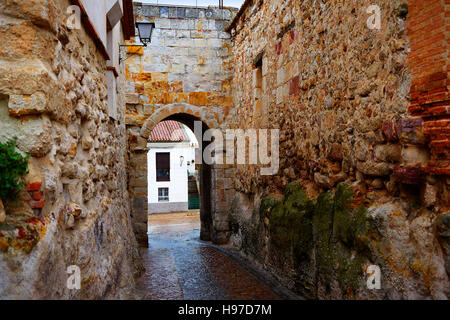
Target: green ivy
{"points": [[13, 166]]}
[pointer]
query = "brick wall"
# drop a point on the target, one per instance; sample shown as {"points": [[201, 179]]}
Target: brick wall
{"points": [[428, 30]]}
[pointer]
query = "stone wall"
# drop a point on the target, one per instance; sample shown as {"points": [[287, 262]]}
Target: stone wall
{"points": [[354, 105], [184, 74], [168, 207], [75, 208]]}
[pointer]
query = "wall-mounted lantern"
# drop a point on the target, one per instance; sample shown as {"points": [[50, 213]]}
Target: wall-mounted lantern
{"points": [[181, 161], [145, 31]]}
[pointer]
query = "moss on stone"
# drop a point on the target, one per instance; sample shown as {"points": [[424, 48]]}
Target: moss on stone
{"points": [[324, 235]]}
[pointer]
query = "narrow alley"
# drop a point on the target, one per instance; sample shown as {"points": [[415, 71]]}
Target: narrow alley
{"points": [[181, 267], [224, 150]]}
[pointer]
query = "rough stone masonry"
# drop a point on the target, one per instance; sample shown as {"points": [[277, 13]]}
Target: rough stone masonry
{"points": [[74, 209], [363, 116], [357, 105]]}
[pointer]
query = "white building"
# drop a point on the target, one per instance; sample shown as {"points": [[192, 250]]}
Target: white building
{"points": [[171, 160]]}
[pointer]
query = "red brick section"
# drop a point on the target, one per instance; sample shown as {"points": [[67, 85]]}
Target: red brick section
{"points": [[294, 88], [279, 48], [37, 204], [36, 186], [36, 196], [293, 36], [428, 27], [428, 57]]}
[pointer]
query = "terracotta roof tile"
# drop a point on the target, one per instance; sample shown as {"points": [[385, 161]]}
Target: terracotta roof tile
{"points": [[168, 131]]}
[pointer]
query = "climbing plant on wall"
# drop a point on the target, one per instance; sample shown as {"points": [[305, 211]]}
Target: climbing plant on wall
{"points": [[13, 166]]}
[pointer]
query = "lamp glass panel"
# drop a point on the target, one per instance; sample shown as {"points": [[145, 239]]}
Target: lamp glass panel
{"points": [[145, 30]]}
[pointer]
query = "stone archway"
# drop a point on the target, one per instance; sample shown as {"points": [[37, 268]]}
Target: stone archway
{"points": [[200, 113], [214, 203]]}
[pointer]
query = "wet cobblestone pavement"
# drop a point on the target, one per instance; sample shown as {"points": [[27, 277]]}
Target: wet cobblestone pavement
{"points": [[180, 266]]}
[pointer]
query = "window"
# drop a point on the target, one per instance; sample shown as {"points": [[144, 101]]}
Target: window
{"points": [[258, 76], [163, 194], [163, 166]]}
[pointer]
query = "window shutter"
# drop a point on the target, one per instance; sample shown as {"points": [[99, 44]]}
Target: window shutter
{"points": [[163, 167], [163, 161]]}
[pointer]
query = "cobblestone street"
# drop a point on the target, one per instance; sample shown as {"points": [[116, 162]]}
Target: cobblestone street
{"points": [[179, 266]]}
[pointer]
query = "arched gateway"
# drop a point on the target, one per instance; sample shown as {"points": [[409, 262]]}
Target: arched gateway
{"points": [[213, 215], [185, 74]]}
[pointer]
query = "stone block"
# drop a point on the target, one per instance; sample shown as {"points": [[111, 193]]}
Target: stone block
{"points": [[164, 12], [226, 14], [221, 237], [173, 12], [217, 13], [222, 226], [210, 25], [192, 13], [323, 180], [209, 14], [179, 24], [140, 208], [21, 105], [281, 76], [87, 142], [167, 34], [157, 68], [220, 25], [181, 13], [140, 230], [180, 43], [2, 212], [388, 152], [68, 220], [429, 195], [183, 34], [151, 11], [224, 35], [195, 34], [162, 23], [374, 169], [413, 154], [221, 205], [200, 25], [280, 96], [390, 131], [335, 152], [377, 183], [228, 183], [138, 182], [33, 134], [411, 131], [76, 210]]}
